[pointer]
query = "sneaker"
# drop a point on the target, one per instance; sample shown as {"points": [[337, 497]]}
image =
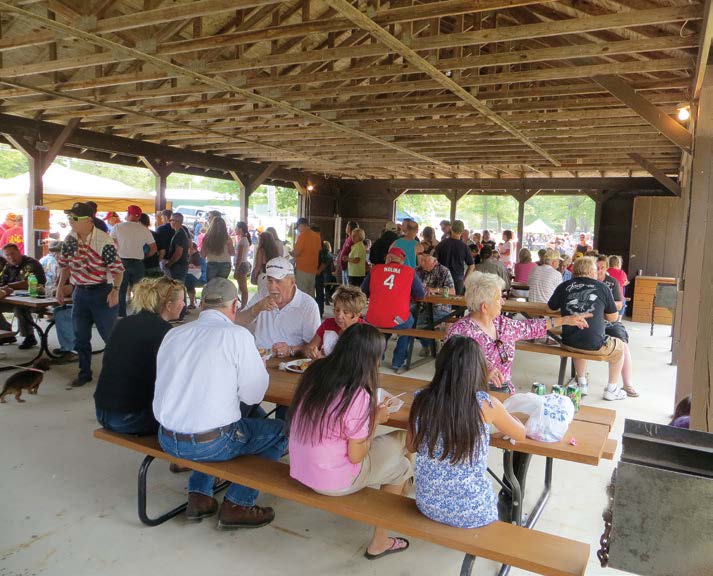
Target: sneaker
{"points": [[617, 394], [584, 388], [235, 516], [79, 381], [400, 370], [27, 343], [200, 506]]}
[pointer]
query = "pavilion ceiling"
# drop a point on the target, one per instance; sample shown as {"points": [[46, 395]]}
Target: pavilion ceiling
{"points": [[377, 89]]}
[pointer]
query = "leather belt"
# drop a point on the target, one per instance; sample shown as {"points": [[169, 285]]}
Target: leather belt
{"points": [[201, 437]]}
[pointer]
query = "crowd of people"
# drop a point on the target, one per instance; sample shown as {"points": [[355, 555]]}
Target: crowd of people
{"points": [[199, 385]]}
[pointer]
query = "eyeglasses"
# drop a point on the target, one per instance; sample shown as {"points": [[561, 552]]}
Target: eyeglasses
{"points": [[77, 218], [500, 345]]}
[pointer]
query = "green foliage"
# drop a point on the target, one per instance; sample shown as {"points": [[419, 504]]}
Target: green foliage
{"points": [[12, 163]]}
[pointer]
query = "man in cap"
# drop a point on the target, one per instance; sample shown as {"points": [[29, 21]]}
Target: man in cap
{"points": [[390, 287], [208, 373], [380, 247], [286, 319], [132, 240], [111, 219], [88, 257], [306, 254], [543, 280], [455, 255], [98, 222]]}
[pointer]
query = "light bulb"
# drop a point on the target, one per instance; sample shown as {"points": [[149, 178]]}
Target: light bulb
{"points": [[684, 113]]}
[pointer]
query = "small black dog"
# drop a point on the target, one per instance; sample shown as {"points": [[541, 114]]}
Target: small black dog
{"points": [[30, 379]]}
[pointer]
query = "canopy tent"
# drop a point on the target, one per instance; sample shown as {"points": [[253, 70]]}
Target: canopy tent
{"points": [[538, 227], [63, 187]]}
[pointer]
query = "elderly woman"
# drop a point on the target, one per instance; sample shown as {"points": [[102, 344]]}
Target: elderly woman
{"points": [[349, 303], [498, 334]]}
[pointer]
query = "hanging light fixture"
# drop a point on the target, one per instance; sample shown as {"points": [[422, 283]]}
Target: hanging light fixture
{"points": [[683, 112]]}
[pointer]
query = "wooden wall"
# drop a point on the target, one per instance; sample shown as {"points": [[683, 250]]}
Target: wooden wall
{"points": [[371, 204], [615, 227], [657, 237]]}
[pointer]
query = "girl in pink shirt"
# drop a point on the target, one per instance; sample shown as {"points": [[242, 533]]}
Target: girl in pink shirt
{"points": [[333, 420]]}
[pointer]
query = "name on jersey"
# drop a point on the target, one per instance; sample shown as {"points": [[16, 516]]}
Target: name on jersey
{"points": [[394, 270]]}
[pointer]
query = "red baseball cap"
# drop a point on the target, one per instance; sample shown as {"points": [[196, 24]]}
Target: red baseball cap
{"points": [[134, 210], [110, 215], [398, 252]]}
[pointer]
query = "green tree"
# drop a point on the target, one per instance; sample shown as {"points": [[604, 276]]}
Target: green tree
{"points": [[12, 162]]}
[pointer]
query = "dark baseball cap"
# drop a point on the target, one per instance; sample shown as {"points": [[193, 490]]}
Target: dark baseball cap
{"points": [[302, 221], [80, 209], [219, 291]]}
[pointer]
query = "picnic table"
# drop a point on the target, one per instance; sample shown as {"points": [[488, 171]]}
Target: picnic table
{"points": [[590, 432], [512, 306]]}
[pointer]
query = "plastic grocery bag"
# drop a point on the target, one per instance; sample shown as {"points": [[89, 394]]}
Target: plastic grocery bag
{"points": [[549, 416]]}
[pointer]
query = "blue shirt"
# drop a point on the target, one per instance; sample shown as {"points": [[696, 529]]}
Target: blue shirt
{"points": [[409, 247], [459, 495]]}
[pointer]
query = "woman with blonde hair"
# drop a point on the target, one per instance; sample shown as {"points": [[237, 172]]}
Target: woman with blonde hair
{"points": [[349, 304], [125, 388], [217, 248]]}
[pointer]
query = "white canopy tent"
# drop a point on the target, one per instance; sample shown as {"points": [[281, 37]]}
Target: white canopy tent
{"points": [[62, 187], [538, 227]]}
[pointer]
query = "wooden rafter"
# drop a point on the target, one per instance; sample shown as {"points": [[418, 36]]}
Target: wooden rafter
{"points": [[657, 173]]}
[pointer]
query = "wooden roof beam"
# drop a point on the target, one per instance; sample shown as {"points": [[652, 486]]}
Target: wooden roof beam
{"points": [[656, 172], [703, 50], [216, 82], [652, 114]]}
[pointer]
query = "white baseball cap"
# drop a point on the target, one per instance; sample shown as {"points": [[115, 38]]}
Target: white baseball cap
{"points": [[279, 267]]}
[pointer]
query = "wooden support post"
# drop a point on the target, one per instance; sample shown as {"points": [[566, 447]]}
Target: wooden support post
{"points": [[244, 196], [40, 155], [161, 170], [695, 361], [454, 205], [522, 198], [599, 199]]}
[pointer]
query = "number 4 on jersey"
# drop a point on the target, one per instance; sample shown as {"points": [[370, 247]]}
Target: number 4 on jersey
{"points": [[390, 281]]}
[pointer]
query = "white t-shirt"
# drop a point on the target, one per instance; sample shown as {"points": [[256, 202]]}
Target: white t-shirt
{"points": [[295, 324], [507, 259], [130, 238], [542, 281], [204, 369]]}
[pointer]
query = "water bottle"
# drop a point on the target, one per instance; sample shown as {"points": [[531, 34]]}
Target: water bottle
{"points": [[32, 285]]}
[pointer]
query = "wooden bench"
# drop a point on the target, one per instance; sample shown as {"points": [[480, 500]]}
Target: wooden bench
{"points": [[562, 353], [435, 335], [501, 542]]}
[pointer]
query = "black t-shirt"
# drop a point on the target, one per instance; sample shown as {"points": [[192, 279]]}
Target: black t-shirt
{"points": [[379, 249], [152, 261], [454, 255], [180, 238], [614, 287], [128, 374], [11, 274], [579, 296], [164, 234]]}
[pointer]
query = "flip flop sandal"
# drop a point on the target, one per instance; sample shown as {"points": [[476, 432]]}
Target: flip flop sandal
{"points": [[395, 548], [631, 392]]}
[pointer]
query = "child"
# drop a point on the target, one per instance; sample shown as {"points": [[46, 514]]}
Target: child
{"points": [[682, 415], [332, 424], [349, 303], [356, 266], [449, 429], [620, 276]]}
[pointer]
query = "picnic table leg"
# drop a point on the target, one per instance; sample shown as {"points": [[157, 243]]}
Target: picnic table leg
{"points": [[536, 511], [466, 568], [143, 516], [563, 371], [515, 476]]}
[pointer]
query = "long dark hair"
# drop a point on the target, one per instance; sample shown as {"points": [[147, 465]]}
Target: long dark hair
{"points": [[244, 232], [267, 243], [216, 238], [683, 408], [329, 385], [448, 409]]}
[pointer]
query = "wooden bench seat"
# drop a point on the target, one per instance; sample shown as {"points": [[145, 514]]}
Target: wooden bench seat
{"points": [[415, 333], [501, 542]]}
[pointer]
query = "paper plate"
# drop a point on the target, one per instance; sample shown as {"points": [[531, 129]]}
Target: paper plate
{"points": [[297, 366]]}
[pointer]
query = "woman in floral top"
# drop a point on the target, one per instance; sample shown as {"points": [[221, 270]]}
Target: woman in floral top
{"points": [[498, 334]]}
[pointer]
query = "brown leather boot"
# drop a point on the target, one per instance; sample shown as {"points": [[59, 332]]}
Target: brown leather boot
{"points": [[200, 506], [234, 516]]}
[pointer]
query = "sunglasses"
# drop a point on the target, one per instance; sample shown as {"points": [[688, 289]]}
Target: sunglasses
{"points": [[500, 345], [77, 218]]}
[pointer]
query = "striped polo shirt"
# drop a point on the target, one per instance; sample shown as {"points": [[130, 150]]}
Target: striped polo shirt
{"points": [[89, 262]]}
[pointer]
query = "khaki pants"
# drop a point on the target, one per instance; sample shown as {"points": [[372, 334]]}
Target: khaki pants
{"points": [[305, 282], [386, 463], [613, 350]]}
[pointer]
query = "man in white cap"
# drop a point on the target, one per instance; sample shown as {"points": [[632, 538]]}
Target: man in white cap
{"points": [[286, 319], [208, 373], [130, 238]]}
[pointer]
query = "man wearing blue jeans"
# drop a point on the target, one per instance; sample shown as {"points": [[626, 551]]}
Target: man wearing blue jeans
{"points": [[88, 256], [204, 371], [390, 287]]}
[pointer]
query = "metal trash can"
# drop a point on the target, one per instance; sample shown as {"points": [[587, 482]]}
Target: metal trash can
{"points": [[661, 517]]}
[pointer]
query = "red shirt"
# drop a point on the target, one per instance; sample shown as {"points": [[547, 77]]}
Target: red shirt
{"points": [[620, 276], [329, 340], [389, 295]]}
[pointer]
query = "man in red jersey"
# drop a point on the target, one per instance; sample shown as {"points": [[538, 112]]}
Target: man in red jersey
{"points": [[390, 287]]}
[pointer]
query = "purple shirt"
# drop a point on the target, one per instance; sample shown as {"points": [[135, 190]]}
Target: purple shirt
{"points": [[508, 331]]}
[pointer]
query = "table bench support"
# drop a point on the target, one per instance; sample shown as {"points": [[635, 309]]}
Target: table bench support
{"points": [[143, 516], [466, 568]]}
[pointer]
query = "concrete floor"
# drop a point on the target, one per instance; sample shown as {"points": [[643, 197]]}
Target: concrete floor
{"points": [[68, 504]]}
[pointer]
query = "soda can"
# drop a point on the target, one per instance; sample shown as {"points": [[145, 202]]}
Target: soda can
{"points": [[557, 389], [539, 389], [446, 291], [575, 395]]}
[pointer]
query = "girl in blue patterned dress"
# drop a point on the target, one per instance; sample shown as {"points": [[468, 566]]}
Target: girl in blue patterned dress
{"points": [[449, 430]]}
